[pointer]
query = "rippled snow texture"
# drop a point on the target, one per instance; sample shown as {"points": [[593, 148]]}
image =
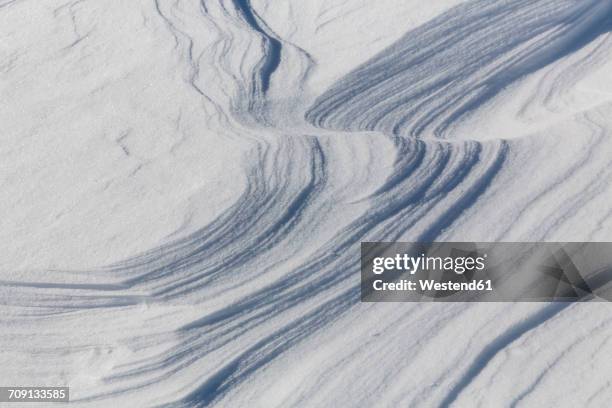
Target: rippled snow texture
{"points": [[184, 186]]}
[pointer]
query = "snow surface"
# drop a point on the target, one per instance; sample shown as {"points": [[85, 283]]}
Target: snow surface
{"points": [[184, 186]]}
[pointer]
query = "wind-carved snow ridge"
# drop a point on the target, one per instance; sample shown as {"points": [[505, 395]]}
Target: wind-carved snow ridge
{"points": [[258, 305], [246, 52], [272, 52], [450, 66]]}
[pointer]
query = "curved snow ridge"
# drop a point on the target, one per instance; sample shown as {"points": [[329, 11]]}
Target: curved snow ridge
{"points": [[260, 324], [263, 323], [443, 70]]}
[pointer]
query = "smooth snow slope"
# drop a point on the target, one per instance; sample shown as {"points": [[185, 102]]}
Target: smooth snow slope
{"points": [[185, 185]]}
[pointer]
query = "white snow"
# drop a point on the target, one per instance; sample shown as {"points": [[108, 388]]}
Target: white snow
{"points": [[184, 186]]}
